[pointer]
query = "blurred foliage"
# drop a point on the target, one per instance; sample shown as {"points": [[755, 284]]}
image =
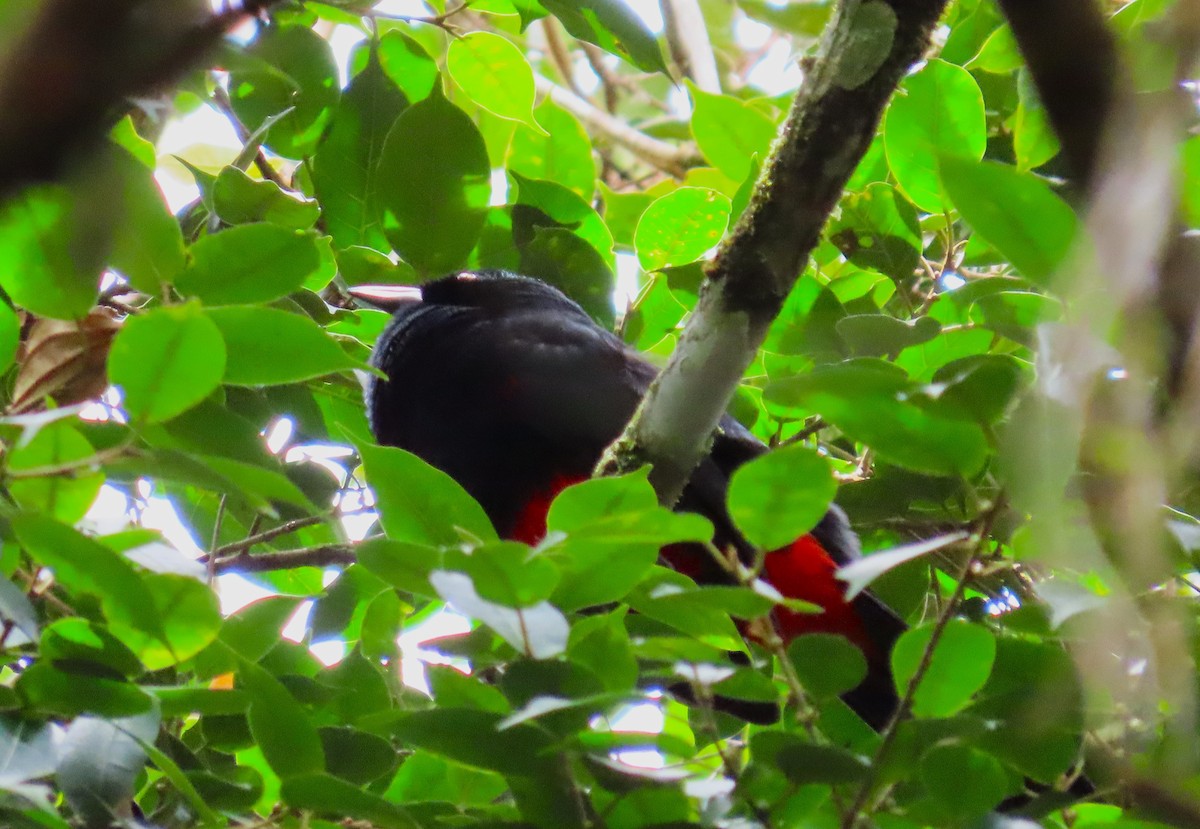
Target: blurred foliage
{"points": [[906, 354]]}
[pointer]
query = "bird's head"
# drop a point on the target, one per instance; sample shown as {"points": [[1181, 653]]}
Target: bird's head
{"points": [[495, 292]]}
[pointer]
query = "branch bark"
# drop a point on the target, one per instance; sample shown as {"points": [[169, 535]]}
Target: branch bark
{"points": [[667, 157], [691, 49], [830, 126]]}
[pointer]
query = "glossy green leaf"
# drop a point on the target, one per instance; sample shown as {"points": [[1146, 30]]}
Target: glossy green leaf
{"points": [[611, 25], [408, 65], [434, 185], [779, 496], [66, 497], [419, 503], [961, 664], [940, 114], [563, 208], [280, 726], [878, 229], [1015, 212], [345, 165], [268, 346], [560, 152], [87, 566], [45, 272], [148, 244], [250, 263], [166, 361], [827, 664], [963, 781], [494, 73], [507, 573], [870, 402], [239, 199], [569, 263], [326, 794], [297, 71], [44, 687], [680, 227], [729, 132]]}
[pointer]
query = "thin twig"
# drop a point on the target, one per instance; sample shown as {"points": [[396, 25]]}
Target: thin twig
{"points": [[221, 98], [267, 535], [325, 555], [216, 537], [858, 808], [667, 157]]}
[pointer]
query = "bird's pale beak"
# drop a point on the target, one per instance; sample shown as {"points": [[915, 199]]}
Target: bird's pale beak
{"points": [[386, 297]]}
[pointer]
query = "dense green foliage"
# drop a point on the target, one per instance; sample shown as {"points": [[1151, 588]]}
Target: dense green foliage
{"points": [[905, 354]]}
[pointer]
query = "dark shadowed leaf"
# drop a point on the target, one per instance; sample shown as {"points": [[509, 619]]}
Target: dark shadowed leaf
{"points": [[344, 168], [434, 185]]}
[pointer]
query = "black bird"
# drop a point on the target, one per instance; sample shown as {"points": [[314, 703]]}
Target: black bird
{"points": [[509, 387]]}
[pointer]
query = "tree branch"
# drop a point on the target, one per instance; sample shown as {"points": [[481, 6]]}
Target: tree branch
{"points": [[839, 107], [691, 49], [327, 555], [667, 157]]}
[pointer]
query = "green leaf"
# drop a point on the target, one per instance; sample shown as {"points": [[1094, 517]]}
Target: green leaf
{"points": [[493, 73], [827, 664], [43, 687], [356, 756], [325, 794], [408, 65], [611, 25], [779, 496], [871, 402], [963, 781], [940, 114], [345, 166], [729, 132], [961, 664], [87, 566], [562, 207], [1017, 213], [239, 199], [148, 245], [10, 335], [1034, 140], [434, 185], [804, 762], [45, 270], [539, 631], [65, 497], [680, 227], [98, 762], [569, 263], [560, 152], [280, 725], [268, 346], [166, 361], [507, 573], [419, 503], [75, 641], [878, 229], [876, 335], [471, 736], [250, 263], [296, 70], [189, 617]]}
